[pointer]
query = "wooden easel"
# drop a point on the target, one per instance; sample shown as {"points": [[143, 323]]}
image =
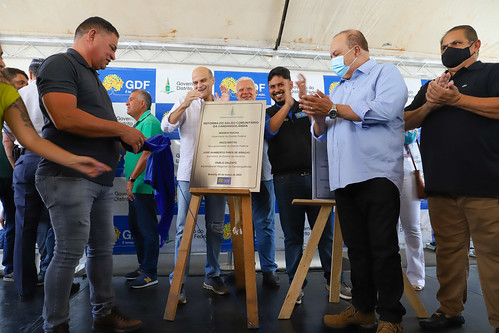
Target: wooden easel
{"points": [[336, 262], [243, 248]]}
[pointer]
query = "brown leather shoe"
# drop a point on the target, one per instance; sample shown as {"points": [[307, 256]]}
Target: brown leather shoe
{"points": [[387, 327], [116, 322], [350, 317]]}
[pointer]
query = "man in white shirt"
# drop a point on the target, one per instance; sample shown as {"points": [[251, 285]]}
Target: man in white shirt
{"points": [[185, 117], [263, 202]]}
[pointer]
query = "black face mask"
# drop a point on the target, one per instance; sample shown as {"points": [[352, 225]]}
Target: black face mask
{"points": [[453, 57]]}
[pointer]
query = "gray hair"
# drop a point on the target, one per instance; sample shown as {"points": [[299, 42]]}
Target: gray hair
{"points": [[145, 96]]}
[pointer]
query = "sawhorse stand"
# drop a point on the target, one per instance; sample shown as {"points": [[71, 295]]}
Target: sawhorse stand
{"points": [[243, 248], [336, 262]]}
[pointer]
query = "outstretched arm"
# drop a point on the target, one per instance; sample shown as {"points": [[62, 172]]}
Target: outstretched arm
{"points": [[19, 122]]}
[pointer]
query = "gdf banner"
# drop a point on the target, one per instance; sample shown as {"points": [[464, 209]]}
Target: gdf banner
{"points": [[119, 82]]}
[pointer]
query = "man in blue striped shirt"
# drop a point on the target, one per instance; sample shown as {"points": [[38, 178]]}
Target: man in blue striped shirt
{"points": [[363, 124]]}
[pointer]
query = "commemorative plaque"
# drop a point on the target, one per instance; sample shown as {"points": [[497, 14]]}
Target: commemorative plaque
{"points": [[229, 145]]}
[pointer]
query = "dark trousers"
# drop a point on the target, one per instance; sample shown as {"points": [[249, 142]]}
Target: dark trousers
{"points": [[299, 186], [368, 213], [29, 208], [7, 197], [144, 228]]}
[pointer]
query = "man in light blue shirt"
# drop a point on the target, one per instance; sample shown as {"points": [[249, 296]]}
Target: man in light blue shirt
{"points": [[363, 124]]}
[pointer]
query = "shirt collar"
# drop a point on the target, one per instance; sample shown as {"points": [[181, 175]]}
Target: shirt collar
{"points": [[477, 65], [365, 68], [144, 115], [79, 58]]}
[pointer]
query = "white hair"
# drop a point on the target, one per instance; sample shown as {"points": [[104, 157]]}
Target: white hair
{"points": [[244, 78]]}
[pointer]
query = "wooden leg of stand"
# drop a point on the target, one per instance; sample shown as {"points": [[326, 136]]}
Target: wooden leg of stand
{"points": [[336, 261], [414, 299], [183, 254], [249, 263], [237, 240], [306, 259]]}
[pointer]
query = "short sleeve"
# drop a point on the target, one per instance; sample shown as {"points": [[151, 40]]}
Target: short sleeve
{"points": [[57, 74], [8, 95], [493, 84], [419, 99]]}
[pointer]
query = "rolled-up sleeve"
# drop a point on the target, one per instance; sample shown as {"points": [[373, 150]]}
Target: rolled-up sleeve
{"points": [[390, 96], [166, 126]]}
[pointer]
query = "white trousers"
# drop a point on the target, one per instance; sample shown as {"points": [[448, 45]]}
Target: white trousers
{"points": [[411, 224]]}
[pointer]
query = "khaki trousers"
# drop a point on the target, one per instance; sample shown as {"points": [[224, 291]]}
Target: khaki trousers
{"points": [[454, 220]]}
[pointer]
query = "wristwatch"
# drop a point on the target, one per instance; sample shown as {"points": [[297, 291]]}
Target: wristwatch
{"points": [[333, 112], [130, 179]]}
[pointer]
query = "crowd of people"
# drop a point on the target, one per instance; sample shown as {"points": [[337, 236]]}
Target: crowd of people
{"points": [[58, 190]]}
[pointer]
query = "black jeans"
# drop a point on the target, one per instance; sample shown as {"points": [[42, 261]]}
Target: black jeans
{"points": [[368, 213]]}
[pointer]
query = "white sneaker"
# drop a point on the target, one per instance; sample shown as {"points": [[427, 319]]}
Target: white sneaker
{"points": [[9, 277], [181, 297], [299, 300], [345, 291]]}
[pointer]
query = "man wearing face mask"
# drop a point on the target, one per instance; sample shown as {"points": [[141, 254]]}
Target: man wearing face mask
{"points": [[459, 118], [362, 123]]}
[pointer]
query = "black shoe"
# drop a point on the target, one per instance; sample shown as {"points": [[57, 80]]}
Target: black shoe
{"points": [[217, 285], [133, 275], [40, 278], [74, 288], [438, 322], [61, 328], [27, 297], [271, 279]]}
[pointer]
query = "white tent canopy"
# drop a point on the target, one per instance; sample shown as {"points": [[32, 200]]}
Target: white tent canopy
{"points": [[248, 33]]}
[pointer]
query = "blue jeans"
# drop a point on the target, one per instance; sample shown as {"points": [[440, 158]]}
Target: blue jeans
{"points": [[297, 186], [29, 212], [214, 217], [81, 214], [143, 224], [7, 197], [263, 206], [49, 249]]}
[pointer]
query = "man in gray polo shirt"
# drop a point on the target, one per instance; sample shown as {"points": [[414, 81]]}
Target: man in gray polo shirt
{"points": [[81, 119]]}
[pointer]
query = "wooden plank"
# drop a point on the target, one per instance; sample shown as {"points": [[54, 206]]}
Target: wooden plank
{"points": [[414, 299], [249, 262], [220, 191], [306, 259], [336, 261], [309, 202], [183, 255], [237, 240]]}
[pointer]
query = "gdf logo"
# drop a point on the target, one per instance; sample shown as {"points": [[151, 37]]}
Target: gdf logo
{"points": [[127, 235], [112, 82], [137, 84]]}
